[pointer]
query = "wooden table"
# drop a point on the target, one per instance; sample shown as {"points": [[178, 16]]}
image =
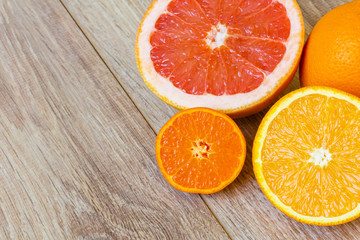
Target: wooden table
{"points": [[77, 133]]}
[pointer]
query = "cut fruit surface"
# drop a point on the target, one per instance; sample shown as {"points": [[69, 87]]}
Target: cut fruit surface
{"points": [[200, 150], [306, 156], [232, 56]]}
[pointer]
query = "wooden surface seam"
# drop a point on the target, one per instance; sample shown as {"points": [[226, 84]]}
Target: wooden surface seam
{"points": [[241, 208], [134, 102], [105, 63], [77, 157]]}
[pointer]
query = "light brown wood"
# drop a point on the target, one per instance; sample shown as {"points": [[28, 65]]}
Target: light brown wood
{"points": [[76, 156], [242, 208]]}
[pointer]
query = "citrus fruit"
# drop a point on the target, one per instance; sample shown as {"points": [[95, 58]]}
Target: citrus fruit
{"points": [[200, 150], [332, 56], [306, 156], [235, 56]]}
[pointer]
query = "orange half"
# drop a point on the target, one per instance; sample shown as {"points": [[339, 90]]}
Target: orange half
{"points": [[200, 150], [306, 156]]}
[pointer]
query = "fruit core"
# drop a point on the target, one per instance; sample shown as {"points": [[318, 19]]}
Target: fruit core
{"points": [[201, 149], [217, 36], [320, 157]]}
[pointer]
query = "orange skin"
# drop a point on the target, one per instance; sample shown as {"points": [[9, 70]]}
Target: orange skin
{"points": [[255, 107], [331, 56], [223, 184]]}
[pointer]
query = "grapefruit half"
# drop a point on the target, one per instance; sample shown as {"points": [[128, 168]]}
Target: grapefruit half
{"points": [[234, 56]]}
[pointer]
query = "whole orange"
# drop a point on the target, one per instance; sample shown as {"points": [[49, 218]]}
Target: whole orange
{"points": [[332, 53]]}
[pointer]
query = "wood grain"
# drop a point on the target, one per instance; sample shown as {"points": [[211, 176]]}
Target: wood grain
{"points": [[242, 208], [77, 157]]}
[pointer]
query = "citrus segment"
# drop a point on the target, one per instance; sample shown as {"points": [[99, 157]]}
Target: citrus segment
{"points": [[306, 156], [242, 76], [211, 9], [174, 159], [190, 12], [271, 22], [233, 56], [216, 80], [200, 151], [235, 12], [263, 54]]}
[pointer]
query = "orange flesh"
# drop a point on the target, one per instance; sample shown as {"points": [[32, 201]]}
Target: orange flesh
{"points": [[200, 150], [253, 47], [327, 185]]}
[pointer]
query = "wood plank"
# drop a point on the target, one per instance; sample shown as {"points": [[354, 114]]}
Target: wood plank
{"points": [[242, 208], [77, 157]]}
